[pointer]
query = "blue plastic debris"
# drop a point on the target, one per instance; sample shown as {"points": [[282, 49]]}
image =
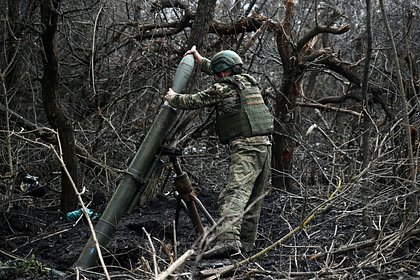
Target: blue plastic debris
{"points": [[74, 215]]}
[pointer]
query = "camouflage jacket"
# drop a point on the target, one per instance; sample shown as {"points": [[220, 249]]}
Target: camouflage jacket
{"points": [[221, 94]]}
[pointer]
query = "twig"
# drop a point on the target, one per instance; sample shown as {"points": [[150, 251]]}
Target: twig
{"points": [[331, 248], [153, 251], [175, 240], [255, 36], [92, 58], [50, 235], [175, 265], [10, 255], [166, 250]]}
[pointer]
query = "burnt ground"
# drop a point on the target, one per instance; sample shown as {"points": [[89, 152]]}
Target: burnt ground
{"points": [[334, 245]]}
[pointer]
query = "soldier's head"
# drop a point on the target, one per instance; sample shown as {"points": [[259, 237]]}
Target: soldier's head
{"points": [[226, 63]]}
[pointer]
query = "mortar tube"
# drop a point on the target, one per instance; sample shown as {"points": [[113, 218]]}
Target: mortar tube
{"points": [[142, 188], [133, 179], [137, 171]]}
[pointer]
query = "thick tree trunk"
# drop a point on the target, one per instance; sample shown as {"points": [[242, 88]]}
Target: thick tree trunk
{"points": [[284, 128], [204, 15], [285, 104], [55, 115]]}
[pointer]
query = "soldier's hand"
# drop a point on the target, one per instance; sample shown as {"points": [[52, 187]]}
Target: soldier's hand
{"points": [[169, 95], [197, 56]]}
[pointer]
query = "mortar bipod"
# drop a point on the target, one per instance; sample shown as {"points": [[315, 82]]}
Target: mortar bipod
{"points": [[185, 194]]}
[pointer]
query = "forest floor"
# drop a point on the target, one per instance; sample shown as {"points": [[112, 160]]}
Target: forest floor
{"points": [[38, 242], [332, 246]]}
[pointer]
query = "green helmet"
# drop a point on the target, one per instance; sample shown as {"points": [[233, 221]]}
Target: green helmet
{"points": [[224, 60]]}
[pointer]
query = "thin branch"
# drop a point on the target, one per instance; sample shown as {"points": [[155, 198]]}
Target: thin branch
{"points": [[79, 197], [92, 58], [328, 108]]}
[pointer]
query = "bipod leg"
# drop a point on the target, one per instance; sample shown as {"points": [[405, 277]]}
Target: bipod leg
{"points": [[204, 210], [184, 187]]}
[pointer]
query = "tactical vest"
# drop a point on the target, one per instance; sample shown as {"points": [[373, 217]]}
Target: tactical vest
{"points": [[247, 117]]}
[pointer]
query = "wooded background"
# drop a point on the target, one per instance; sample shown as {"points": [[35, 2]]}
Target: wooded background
{"points": [[82, 82]]}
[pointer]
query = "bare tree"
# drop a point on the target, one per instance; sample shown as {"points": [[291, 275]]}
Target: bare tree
{"points": [[294, 53], [53, 110]]}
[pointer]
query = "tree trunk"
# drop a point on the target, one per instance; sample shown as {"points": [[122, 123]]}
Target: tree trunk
{"points": [[285, 104], [204, 15], [55, 115]]}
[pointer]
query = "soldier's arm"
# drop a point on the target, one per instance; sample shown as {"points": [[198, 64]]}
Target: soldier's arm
{"points": [[211, 96], [205, 65]]}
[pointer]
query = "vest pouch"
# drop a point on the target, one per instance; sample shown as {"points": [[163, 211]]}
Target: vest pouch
{"points": [[262, 121], [253, 118], [227, 126]]}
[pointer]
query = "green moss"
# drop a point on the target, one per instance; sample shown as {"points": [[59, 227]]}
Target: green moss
{"points": [[23, 268]]}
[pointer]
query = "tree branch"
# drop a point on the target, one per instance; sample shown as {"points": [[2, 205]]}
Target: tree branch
{"points": [[318, 30], [148, 31]]}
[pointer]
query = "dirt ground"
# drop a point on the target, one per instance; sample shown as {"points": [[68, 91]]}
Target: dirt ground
{"points": [[37, 239]]}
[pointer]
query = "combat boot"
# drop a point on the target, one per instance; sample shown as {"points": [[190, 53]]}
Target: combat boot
{"points": [[223, 249]]}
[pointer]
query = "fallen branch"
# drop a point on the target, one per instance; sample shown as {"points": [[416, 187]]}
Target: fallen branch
{"points": [[180, 261]]}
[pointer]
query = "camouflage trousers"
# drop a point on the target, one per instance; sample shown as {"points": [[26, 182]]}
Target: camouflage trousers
{"points": [[241, 198]]}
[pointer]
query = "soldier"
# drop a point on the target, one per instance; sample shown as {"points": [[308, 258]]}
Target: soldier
{"points": [[243, 122]]}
